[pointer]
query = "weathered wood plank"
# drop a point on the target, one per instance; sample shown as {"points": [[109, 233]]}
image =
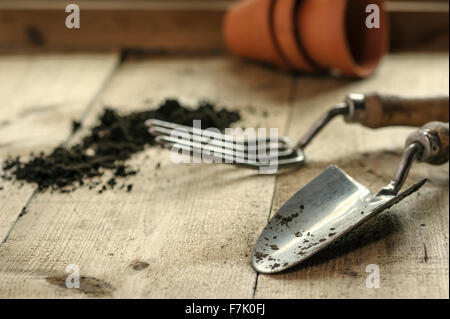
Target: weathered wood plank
{"points": [[39, 97], [194, 225], [409, 243]]}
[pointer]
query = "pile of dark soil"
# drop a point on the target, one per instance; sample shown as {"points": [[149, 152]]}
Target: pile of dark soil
{"points": [[107, 147]]}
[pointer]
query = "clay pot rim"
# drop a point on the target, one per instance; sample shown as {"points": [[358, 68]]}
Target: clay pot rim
{"points": [[332, 48], [365, 68]]}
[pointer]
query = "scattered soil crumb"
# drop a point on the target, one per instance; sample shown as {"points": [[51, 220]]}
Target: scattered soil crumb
{"points": [[139, 265], [259, 256], [350, 273], [4, 123], [88, 285], [276, 265], [76, 125], [425, 254], [286, 220], [23, 212], [112, 182]]}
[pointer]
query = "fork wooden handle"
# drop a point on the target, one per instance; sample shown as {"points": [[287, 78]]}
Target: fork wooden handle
{"points": [[386, 110]]}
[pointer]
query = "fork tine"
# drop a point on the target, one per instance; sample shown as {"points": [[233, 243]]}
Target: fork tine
{"points": [[199, 147], [220, 152], [222, 158], [285, 162], [171, 126], [159, 131], [223, 148], [158, 127], [184, 138], [242, 147], [220, 148]]}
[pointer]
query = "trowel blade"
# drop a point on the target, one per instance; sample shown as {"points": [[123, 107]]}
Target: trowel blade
{"points": [[328, 207]]}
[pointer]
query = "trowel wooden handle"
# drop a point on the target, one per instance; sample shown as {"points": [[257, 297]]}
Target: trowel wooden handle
{"points": [[434, 138], [387, 110]]}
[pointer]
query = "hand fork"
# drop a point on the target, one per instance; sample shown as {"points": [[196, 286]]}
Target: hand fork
{"points": [[372, 110]]}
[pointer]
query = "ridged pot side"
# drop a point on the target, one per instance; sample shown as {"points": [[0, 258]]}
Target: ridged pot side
{"points": [[285, 32], [248, 31]]}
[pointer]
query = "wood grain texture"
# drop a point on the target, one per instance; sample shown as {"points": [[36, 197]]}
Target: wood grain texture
{"points": [[39, 98], [189, 228], [384, 110], [151, 29], [187, 231], [409, 242]]}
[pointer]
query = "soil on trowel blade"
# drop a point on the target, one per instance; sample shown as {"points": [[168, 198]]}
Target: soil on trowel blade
{"points": [[107, 147]]}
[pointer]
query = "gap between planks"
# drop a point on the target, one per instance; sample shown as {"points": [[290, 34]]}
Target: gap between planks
{"points": [[88, 108], [136, 82], [287, 126]]}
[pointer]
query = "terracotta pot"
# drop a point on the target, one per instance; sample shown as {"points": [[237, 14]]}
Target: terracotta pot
{"points": [[334, 35], [286, 35], [248, 31]]}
